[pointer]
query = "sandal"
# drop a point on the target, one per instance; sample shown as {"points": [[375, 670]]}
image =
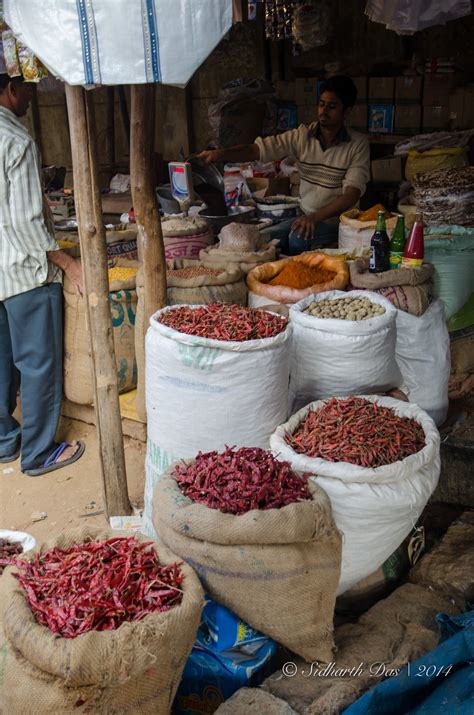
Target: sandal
{"points": [[11, 458], [52, 464]]}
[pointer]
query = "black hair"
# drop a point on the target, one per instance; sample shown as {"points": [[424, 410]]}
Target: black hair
{"points": [[6, 79], [343, 87]]}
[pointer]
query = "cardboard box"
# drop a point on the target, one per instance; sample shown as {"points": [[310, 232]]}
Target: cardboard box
{"points": [[407, 118], [408, 89], [287, 117], [381, 118], [461, 108], [435, 118], [361, 86], [272, 187], [306, 114], [387, 170], [468, 109], [358, 117], [382, 89], [285, 90], [306, 90], [437, 87]]}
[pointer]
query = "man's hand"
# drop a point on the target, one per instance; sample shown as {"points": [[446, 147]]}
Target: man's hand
{"points": [[73, 270], [304, 226], [210, 156]]}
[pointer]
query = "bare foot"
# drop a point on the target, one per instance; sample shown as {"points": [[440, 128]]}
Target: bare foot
{"points": [[68, 452]]}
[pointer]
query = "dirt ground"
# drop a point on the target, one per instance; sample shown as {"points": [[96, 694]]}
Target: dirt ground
{"points": [[70, 496]]}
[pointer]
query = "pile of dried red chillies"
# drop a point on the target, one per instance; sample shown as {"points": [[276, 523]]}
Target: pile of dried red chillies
{"points": [[8, 551], [357, 431], [220, 321], [239, 480], [98, 585]]}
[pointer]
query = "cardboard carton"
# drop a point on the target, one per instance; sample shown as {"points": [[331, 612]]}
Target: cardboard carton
{"points": [[382, 89], [408, 89], [407, 118], [437, 87], [285, 90], [435, 118], [272, 187], [387, 170], [306, 90], [358, 117], [361, 86]]}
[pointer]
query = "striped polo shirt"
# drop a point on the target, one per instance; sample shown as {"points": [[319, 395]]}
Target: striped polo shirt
{"points": [[324, 171], [24, 236]]}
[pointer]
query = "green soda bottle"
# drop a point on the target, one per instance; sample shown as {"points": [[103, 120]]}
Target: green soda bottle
{"points": [[397, 244], [379, 247]]}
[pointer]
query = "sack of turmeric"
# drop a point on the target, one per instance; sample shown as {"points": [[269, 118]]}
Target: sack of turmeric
{"points": [[292, 279]]}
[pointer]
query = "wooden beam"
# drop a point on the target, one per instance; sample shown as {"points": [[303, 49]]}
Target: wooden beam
{"points": [[110, 131], [145, 202], [124, 113], [94, 262]]}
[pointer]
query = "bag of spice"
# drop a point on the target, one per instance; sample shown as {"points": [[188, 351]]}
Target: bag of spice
{"points": [[191, 282], [215, 375], [133, 668], [343, 345], [292, 279], [379, 466], [262, 540]]}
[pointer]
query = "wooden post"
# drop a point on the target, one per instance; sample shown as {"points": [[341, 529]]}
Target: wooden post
{"points": [[145, 202], [110, 132], [94, 262]]}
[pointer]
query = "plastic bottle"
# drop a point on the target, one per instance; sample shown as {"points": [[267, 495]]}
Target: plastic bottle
{"points": [[415, 246], [397, 244], [379, 246]]}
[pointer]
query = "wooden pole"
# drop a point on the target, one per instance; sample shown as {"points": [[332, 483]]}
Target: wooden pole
{"points": [[145, 202], [94, 262], [110, 133]]}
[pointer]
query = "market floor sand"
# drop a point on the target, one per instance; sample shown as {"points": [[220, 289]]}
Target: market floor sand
{"points": [[69, 497]]}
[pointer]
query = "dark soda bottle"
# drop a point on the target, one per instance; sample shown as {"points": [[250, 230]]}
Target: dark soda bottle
{"points": [[379, 247], [397, 244]]}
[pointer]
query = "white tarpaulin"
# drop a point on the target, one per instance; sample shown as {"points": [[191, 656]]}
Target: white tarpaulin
{"points": [[120, 41]]}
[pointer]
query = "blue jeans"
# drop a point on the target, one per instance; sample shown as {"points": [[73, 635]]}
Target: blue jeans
{"points": [[31, 350], [292, 245]]}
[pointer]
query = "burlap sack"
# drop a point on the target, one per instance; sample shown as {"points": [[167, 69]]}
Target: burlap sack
{"points": [[411, 299], [78, 385], [140, 332], [278, 569], [134, 669], [216, 257], [361, 278], [259, 277], [227, 287]]}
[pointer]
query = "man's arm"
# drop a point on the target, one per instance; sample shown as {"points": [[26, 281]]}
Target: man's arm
{"points": [[72, 267], [239, 153], [305, 225]]}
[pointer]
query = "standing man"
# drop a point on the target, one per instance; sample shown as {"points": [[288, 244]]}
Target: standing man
{"points": [[333, 161], [31, 335]]}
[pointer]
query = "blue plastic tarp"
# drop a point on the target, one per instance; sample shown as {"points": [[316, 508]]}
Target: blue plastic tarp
{"points": [[442, 681]]}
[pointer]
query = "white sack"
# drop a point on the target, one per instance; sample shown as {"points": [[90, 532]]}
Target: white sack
{"points": [[202, 395], [374, 508], [257, 301], [332, 357], [423, 356]]}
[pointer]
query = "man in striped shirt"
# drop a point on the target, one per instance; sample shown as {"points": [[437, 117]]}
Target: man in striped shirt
{"points": [[333, 162], [31, 343]]}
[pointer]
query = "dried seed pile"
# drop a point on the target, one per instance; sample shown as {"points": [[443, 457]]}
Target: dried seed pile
{"points": [[98, 585], [8, 551], [239, 480], [345, 309], [357, 431], [220, 321], [192, 272]]}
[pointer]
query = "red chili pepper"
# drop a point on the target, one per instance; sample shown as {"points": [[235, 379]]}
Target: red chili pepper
{"points": [[220, 321], [238, 480], [357, 431], [102, 584]]}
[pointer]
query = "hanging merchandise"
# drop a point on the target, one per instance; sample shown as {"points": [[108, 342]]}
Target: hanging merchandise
{"points": [[406, 18], [311, 24], [20, 61], [278, 19]]}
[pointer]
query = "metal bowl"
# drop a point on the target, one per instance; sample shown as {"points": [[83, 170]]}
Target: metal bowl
{"points": [[237, 214]]}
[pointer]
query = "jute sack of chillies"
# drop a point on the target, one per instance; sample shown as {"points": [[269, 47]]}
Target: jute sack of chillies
{"points": [[135, 668], [259, 278], [277, 569]]}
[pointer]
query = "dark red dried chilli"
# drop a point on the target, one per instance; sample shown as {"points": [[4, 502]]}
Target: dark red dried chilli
{"points": [[357, 431], [98, 585], [220, 321], [8, 551], [238, 480]]}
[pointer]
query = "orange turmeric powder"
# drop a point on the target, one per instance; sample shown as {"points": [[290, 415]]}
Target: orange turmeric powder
{"points": [[371, 214], [300, 276]]}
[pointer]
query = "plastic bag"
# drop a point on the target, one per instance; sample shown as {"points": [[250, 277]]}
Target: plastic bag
{"points": [[311, 24]]}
